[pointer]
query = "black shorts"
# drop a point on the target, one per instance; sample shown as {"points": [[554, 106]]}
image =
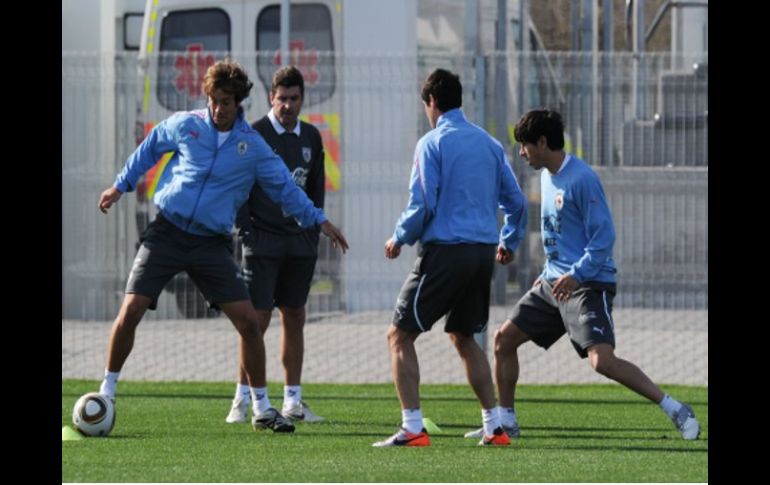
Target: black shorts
{"points": [[167, 250], [586, 316], [279, 268], [447, 279]]}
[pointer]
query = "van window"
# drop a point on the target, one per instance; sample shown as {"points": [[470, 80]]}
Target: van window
{"points": [[311, 48], [185, 34], [132, 31]]}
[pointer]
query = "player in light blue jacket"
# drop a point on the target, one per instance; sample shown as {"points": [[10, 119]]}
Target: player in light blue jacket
{"points": [[460, 178], [211, 173], [574, 293], [217, 159]]}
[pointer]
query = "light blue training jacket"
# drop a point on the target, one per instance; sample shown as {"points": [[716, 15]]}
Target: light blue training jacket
{"points": [[460, 177], [576, 223], [209, 184]]}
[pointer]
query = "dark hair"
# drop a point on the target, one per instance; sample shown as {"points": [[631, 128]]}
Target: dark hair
{"points": [[228, 76], [541, 122], [445, 88], [288, 76]]}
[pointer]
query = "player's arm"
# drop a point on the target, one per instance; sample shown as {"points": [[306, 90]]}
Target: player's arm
{"points": [[513, 203], [597, 221], [161, 139], [423, 195], [503, 255], [274, 178], [276, 181]]}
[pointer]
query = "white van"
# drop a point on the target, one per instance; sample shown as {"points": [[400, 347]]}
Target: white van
{"points": [[182, 38]]}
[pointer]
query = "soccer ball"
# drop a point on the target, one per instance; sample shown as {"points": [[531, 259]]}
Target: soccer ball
{"points": [[94, 414]]}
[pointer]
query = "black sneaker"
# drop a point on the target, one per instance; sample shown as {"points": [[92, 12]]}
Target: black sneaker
{"points": [[272, 419]]}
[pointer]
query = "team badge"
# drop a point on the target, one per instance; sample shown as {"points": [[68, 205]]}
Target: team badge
{"points": [[242, 147], [559, 200], [306, 154], [299, 175]]}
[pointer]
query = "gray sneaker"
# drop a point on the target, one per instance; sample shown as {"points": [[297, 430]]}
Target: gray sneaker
{"points": [[511, 431], [301, 412], [272, 419], [686, 423]]}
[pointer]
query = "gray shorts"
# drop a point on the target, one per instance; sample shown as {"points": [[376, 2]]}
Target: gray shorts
{"points": [[167, 250], [447, 279], [586, 316], [278, 268]]}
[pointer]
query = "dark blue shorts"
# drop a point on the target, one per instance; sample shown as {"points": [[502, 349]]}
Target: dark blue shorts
{"points": [[278, 268], [447, 279], [166, 250]]}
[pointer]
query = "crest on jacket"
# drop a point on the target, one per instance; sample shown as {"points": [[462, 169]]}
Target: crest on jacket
{"points": [[307, 154], [559, 199]]}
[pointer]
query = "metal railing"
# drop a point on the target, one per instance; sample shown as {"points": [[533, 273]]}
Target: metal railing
{"points": [[655, 176]]}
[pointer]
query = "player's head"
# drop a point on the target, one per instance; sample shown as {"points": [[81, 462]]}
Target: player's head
{"points": [[540, 133], [229, 77], [538, 123], [441, 92], [286, 95], [288, 76], [225, 85], [445, 88]]}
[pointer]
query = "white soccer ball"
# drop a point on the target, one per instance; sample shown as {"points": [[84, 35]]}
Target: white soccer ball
{"points": [[94, 414]]}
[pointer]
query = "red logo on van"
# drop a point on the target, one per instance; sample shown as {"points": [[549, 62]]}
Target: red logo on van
{"points": [[305, 60], [192, 68]]}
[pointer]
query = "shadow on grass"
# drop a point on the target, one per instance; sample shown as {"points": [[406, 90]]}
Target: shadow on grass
{"points": [[393, 398]]}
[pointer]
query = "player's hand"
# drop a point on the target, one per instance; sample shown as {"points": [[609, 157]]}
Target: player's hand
{"points": [[563, 287], [503, 255], [108, 197], [392, 249], [338, 239]]}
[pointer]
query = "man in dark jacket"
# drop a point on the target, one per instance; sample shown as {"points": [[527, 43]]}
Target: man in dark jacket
{"points": [[279, 257]]}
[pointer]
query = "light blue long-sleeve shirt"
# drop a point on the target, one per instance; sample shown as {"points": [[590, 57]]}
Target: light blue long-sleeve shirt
{"points": [[209, 183], [576, 224], [459, 178]]}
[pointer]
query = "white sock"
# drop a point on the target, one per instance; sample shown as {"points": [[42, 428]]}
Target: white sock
{"points": [[261, 402], [507, 417], [291, 396], [109, 383], [669, 405], [411, 420], [242, 393], [491, 419]]}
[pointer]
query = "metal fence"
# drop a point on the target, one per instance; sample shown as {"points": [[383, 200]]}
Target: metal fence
{"points": [[645, 133]]}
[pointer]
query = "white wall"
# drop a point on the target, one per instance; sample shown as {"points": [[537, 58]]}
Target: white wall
{"points": [[689, 33], [391, 26], [379, 122], [95, 25], [81, 28]]}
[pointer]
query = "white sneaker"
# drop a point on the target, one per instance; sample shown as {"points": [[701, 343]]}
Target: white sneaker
{"points": [[301, 412], [511, 431], [238, 412], [686, 423], [405, 438]]}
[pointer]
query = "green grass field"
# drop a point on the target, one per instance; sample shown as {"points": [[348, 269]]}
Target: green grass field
{"points": [[175, 432]]}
